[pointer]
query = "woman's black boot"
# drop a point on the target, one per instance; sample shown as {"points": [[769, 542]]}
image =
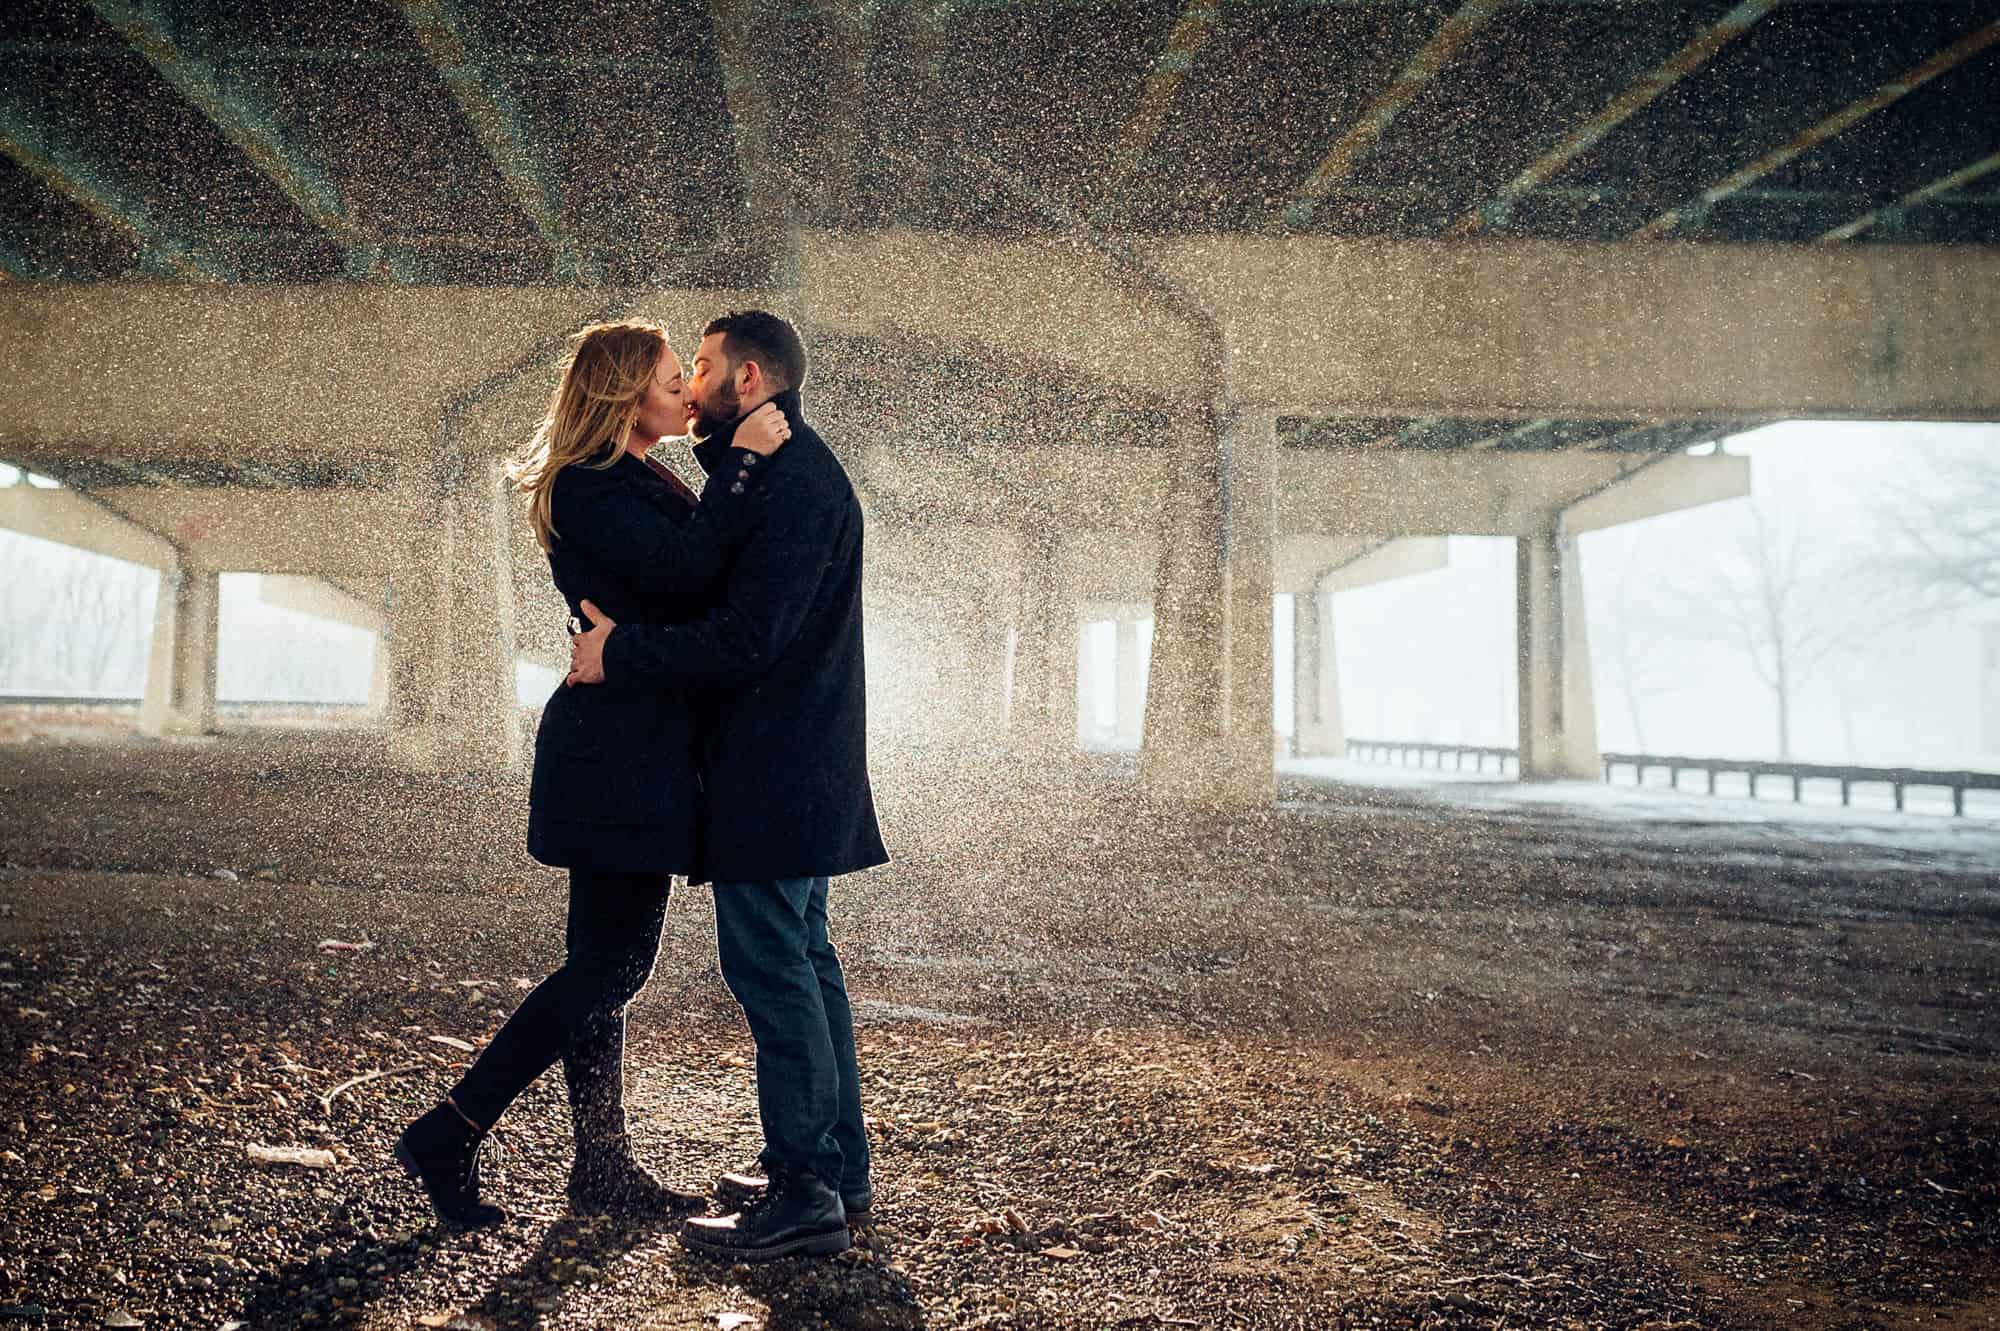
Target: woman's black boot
{"points": [[441, 1152], [607, 1177]]}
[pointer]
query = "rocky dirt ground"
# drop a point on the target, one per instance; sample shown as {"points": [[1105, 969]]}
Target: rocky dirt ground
{"points": [[1371, 1059]]}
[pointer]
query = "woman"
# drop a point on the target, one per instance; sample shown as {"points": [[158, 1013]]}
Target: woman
{"points": [[614, 786]]}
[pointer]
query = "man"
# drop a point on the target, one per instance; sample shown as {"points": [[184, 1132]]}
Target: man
{"points": [[785, 783]]}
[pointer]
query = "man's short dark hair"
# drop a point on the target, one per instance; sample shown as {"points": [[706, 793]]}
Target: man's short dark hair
{"points": [[765, 338]]}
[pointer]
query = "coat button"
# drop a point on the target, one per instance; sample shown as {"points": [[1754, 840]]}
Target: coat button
{"points": [[737, 488], [743, 475], [749, 459]]}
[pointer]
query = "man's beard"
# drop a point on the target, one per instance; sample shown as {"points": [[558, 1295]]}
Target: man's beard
{"points": [[712, 421]]}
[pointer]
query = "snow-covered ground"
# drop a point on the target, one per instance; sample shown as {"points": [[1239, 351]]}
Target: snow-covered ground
{"points": [[1927, 826]]}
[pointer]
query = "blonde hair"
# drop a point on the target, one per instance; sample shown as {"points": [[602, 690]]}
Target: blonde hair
{"points": [[596, 402]]}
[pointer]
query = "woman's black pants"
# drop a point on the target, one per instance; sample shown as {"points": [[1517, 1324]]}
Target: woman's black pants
{"points": [[578, 1013]]}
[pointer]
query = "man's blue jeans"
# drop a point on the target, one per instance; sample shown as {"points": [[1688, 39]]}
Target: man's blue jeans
{"points": [[780, 965]]}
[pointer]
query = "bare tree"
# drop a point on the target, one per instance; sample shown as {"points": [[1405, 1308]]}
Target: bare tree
{"points": [[89, 623], [1784, 595], [1631, 647], [1946, 527], [107, 637], [70, 622], [20, 612]]}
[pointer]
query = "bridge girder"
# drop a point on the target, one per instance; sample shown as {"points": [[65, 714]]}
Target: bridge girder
{"points": [[245, 121]]}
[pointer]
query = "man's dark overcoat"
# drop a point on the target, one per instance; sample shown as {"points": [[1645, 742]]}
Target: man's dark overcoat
{"points": [[784, 754]]}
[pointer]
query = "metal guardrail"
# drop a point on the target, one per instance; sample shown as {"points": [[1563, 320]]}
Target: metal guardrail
{"points": [[1898, 779], [114, 702], [1401, 751]]}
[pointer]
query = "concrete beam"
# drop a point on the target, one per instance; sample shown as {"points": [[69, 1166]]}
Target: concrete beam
{"points": [[64, 168], [850, 42], [1301, 560], [75, 520], [1333, 505], [312, 533], [14, 265], [1498, 209], [1375, 494], [1004, 300], [1505, 328], [1386, 562], [1315, 327], [505, 414], [1669, 485], [928, 38], [1341, 160], [245, 121], [108, 369], [1696, 209], [1328, 564], [1916, 198], [500, 125], [1101, 488], [1192, 31], [1116, 612], [323, 600], [1597, 331], [739, 27]]}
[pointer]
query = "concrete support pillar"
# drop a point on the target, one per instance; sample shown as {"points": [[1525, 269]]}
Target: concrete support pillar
{"points": [[451, 631], [1316, 722], [986, 677], [180, 667], [1042, 708], [378, 678], [1130, 683], [1081, 700], [1558, 716], [1208, 701]]}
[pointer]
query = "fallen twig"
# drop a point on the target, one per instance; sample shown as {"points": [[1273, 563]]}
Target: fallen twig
{"points": [[326, 1101], [1400, 1260], [1525, 1282]]}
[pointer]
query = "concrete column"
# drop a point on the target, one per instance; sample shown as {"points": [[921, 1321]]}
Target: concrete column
{"points": [[1208, 701], [1041, 713], [1316, 722], [1558, 715], [1080, 700], [986, 679], [1131, 683], [180, 667], [451, 631], [378, 678]]}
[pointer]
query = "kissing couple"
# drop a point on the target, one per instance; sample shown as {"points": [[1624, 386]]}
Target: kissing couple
{"points": [[712, 725]]}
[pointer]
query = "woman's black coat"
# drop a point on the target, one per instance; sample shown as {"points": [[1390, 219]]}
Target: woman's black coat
{"points": [[615, 785], [778, 659]]}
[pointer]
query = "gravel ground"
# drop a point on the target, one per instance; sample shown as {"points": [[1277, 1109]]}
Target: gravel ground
{"points": [[1374, 1058]]}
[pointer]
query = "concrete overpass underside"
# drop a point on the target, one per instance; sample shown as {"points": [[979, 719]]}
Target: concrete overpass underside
{"points": [[1129, 312]]}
